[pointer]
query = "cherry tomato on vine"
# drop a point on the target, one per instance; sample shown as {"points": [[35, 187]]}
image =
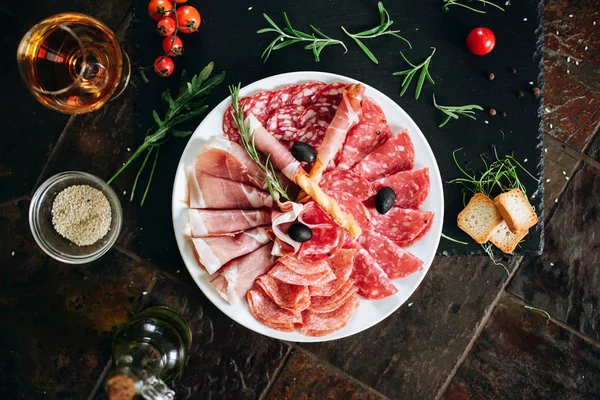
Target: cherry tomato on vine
{"points": [[181, 1], [480, 41], [166, 26], [158, 9], [188, 19], [172, 46], [164, 66]]}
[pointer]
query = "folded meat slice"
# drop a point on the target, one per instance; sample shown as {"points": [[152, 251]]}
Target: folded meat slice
{"points": [[295, 298], [207, 191], [237, 277], [284, 274], [283, 218], [226, 159], [320, 324], [395, 261], [215, 251], [219, 222], [270, 314], [327, 237], [325, 304], [397, 154], [341, 265], [403, 226], [411, 187]]}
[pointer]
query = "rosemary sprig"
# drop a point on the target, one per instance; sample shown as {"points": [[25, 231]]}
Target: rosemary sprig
{"points": [[288, 36], [274, 186], [448, 3], [453, 240], [186, 106], [411, 72], [382, 29], [456, 111]]}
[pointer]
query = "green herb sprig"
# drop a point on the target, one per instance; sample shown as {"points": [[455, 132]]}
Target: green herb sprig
{"points": [[288, 36], [544, 312], [274, 185], [186, 106], [456, 111], [449, 3], [411, 72], [382, 29]]}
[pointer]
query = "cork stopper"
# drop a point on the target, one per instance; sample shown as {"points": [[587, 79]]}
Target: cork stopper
{"points": [[120, 387]]}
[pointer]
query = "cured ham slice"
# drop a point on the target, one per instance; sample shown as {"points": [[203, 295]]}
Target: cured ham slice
{"points": [[396, 262], [411, 187], [226, 159], [344, 181], [286, 275], [294, 298], [367, 135], [207, 191], [341, 265], [397, 154], [327, 237], [270, 314], [403, 226], [218, 222], [282, 220], [237, 277], [215, 251], [347, 115], [320, 324], [325, 304]]}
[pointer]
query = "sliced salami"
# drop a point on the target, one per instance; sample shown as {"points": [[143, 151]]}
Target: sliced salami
{"points": [[320, 324], [341, 265], [411, 187], [312, 135], [347, 182], [351, 206], [325, 304], [286, 275], [304, 267], [396, 262], [372, 131], [281, 98], [283, 124], [396, 154], [371, 279], [305, 93], [229, 128], [270, 314], [330, 93], [327, 236], [403, 226], [256, 104], [294, 298], [317, 114]]}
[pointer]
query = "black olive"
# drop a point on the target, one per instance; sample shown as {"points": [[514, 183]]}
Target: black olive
{"points": [[384, 199], [304, 152], [300, 232]]}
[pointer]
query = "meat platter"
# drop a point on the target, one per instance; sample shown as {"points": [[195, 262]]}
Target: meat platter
{"points": [[234, 237]]}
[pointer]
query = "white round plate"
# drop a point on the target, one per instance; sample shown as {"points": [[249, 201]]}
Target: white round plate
{"points": [[369, 312]]}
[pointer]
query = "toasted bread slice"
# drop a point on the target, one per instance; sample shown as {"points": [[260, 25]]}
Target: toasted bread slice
{"points": [[479, 218], [516, 210], [504, 239]]}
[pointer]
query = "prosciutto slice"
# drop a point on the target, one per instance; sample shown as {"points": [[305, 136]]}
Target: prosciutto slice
{"points": [[282, 219], [237, 277], [396, 262], [327, 237], [214, 252], [403, 226], [226, 159], [218, 222], [207, 191], [347, 115], [397, 154]]}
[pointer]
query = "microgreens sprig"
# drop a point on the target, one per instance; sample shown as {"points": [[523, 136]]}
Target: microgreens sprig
{"points": [[274, 186], [448, 3], [288, 36], [380, 30], [411, 72], [456, 111]]}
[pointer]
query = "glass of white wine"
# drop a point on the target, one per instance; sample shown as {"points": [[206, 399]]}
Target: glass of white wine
{"points": [[73, 63]]}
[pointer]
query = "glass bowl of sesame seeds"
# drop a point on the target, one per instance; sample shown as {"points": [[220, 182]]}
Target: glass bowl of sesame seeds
{"points": [[75, 217]]}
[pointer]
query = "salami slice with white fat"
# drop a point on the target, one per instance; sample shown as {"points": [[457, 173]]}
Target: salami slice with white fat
{"points": [[330, 93], [313, 135], [294, 298], [320, 324], [403, 226], [396, 154], [395, 261], [269, 313], [317, 114], [282, 98], [283, 124], [257, 104], [305, 93], [353, 207], [325, 304], [344, 181], [372, 131], [285, 274], [341, 265], [411, 187]]}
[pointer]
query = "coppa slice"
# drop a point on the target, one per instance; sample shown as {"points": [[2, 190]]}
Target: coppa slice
{"points": [[214, 252], [403, 226], [396, 262], [367, 135], [284, 274], [226, 159], [341, 265], [320, 324], [291, 297], [270, 314], [397, 154], [327, 236], [411, 187], [325, 304], [207, 191], [237, 277], [218, 222], [347, 182]]}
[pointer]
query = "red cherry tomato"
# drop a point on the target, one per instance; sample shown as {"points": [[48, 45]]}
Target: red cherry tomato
{"points": [[174, 47], [158, 9], [181, 1], [480, 41], [166, 26], [164, 66], [188, 19]]}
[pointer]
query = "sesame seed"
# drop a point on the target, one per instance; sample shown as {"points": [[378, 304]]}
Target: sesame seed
{"points": [[568, 59], [545, 150], [547, 109], [557, 33], [487, 122], [564, 172], [531, 83], [144, 293], [128, 149], [178, 271], [551, 126], [124, 192], [532, 197], [249, 8], [552, 264], [586, 48], [548, 180], [570, 15], [594, 23], [525, 160], [524, 19], [568, 72], [566, 178], [12, 254], [556, 200], [576, 62], [410, 304]]}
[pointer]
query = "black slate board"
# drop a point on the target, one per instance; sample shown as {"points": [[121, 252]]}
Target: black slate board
{"points": [[228, 37]]}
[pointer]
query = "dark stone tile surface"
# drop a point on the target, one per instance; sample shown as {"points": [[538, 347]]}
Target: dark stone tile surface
{"points": [[410, 354], [522, 355], [58, 320], [571, 65], [564, 280], [558, 169], [304, 378], [594, 149]]}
